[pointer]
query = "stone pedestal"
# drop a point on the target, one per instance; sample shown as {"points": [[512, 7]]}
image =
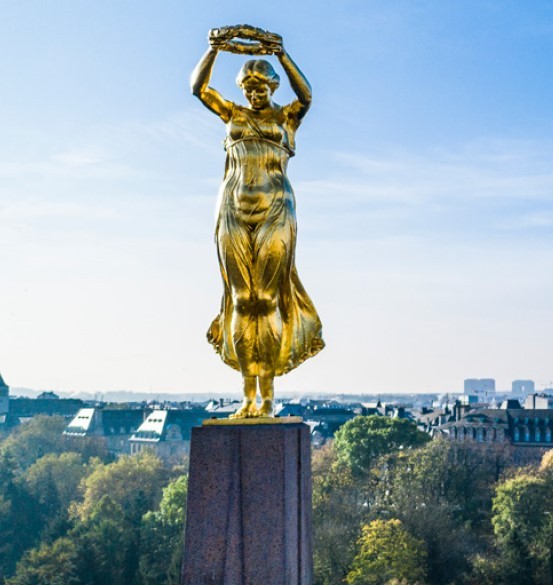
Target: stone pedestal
{"points": [[249, 506]]}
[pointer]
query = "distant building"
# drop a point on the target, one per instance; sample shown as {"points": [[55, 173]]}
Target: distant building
{"points": [[483, 388], [468, 399], [4, 397], [7, 420], [167, 432], [523, 387], [26, 408], [114, 426], [47, 396], [539, 401], [222, 407], [520, 428]]}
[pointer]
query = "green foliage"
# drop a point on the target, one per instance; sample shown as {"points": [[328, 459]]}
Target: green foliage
{"points": [[372, 491], [110, 544], [172, 508], [162, 537], [40, 436], [20, 523], [459, 476], [338, 512], [523, 526], [362, 440], [53, 481], [51, 564], [386, 553], [133, 483], [117, 535], [441, 489]]}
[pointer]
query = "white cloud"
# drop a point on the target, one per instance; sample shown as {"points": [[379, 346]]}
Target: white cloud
{"points": [[25, 210], [79, 158], [488, 169]]}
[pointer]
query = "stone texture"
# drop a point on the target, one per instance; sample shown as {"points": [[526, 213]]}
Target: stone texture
{"points": [[249, 506]]}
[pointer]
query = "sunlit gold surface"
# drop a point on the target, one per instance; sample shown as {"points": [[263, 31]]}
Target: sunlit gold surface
{"points": [[267, 325], [259, 420]]}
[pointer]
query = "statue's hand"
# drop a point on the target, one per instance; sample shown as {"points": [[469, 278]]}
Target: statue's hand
{"points": [[217, 38], [273, 46]]}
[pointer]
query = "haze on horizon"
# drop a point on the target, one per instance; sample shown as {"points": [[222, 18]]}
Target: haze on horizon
{"points": [[423, 179]]}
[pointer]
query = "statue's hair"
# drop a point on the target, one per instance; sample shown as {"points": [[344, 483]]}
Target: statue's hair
{"points": [[261, 70]]}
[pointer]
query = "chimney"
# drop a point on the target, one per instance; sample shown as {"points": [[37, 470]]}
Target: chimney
{"points": [[457, 411]]}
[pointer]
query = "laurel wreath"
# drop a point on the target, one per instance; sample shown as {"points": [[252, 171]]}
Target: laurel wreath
{"points": [[245, 39]]}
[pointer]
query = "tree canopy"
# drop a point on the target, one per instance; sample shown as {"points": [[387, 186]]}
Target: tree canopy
{"points": [[362, 440], [386, 553]]}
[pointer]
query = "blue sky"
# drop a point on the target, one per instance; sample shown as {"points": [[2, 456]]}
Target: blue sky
{"points": [[424, 181]]}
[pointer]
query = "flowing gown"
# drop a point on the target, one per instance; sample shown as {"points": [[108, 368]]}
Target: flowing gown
{"points": [[251, 231]]}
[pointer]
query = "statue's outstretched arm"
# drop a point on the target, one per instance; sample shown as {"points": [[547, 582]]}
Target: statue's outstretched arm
{"points": [[298, 81], [199, 81]]}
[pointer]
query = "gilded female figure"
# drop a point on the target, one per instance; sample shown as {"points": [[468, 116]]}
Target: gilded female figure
{"points": [[267, 324]]}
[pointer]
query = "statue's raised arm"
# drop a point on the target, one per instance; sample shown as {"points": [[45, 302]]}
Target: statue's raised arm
{"points": [[199, 83], [267, 324], [298, 81]]}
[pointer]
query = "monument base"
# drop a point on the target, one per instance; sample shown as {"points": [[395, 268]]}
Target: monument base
{"points": [[249, 506]]}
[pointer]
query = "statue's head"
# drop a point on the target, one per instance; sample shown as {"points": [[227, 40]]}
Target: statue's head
{"points": [[258, 80]]}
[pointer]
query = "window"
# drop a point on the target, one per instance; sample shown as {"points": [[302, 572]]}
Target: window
{"points": [[516, 434]]}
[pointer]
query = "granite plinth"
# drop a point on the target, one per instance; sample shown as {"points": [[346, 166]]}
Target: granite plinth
{"points": [[249, 506]]}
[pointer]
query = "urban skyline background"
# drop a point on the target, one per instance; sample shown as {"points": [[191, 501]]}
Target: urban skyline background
{"points": [[423, 179]]}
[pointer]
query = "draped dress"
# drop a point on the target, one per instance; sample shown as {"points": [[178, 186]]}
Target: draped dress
{"points": [[258, 146]]}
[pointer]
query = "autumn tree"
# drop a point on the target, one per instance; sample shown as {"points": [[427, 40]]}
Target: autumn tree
{"points": [[338, 512], [439, 490], [388, 553], [132, 483], [40, 436], [522, 522]]}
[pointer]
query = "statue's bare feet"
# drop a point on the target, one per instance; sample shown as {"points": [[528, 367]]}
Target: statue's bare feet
{"points": [[266, 409], [247, 410]]}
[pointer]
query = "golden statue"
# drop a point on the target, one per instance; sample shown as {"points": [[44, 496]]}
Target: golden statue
{"points": [[267, 325]]}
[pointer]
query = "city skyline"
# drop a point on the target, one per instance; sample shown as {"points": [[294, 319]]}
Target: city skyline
{"points": [[423, 180]]}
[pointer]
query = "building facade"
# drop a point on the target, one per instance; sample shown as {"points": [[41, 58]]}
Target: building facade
{"points": [[114, 426], [167, 432], [521, 387], [4, 397], [482, 388]]}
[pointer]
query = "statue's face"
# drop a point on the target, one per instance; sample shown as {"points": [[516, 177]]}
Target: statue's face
{"points": [[258, 94]]}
